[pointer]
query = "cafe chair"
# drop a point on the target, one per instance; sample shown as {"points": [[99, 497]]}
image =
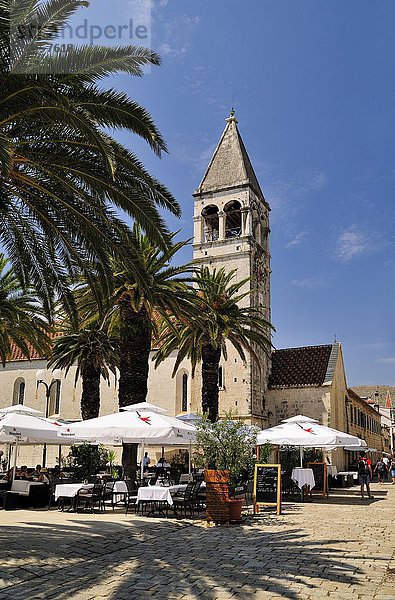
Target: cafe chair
{"points": [[91, 498], [108, 493], [53, 482], [288, 486], [131, 496], [184, 500]]}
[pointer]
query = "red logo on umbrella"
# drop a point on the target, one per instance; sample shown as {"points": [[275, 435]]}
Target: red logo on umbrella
{"points": [[144, 419]]}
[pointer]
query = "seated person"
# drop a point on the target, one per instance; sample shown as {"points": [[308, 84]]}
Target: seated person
{"points": [[57, 473], [37, 475], [45, 474], [23, 473], [162, 463], [40, 475], [9, 475]]}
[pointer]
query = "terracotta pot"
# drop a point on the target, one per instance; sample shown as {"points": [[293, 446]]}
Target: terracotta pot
{"points": [[235, 509]]}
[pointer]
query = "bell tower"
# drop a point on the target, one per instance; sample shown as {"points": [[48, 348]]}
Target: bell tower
{"points": [[231, 230]]}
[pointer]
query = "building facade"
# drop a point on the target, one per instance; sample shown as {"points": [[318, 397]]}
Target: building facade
{"points": [[231, 230]]}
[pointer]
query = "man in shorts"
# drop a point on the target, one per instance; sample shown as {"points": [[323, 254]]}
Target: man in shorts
{"points": [[364, 473]]}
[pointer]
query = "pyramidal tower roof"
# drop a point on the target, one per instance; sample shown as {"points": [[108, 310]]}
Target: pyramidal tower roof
{"points": [[230, 165]]}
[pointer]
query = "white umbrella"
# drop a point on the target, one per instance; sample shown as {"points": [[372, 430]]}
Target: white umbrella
{"points": [[17, 427], [145, 406], [300, 419], [307, 433], [29, 428], [132, 427], [189, 417], [20, 408]]}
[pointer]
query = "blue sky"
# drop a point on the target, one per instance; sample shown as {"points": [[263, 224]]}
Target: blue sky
{"points": [[313, 87]]}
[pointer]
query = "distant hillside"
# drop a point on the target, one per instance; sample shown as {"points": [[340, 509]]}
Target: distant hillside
{"points": [[369, 390]]}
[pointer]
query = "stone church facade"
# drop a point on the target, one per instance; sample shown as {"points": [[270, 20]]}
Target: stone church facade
{"points": [[231, 230]]}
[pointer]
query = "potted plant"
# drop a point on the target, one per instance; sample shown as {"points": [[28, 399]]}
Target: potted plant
{"points": [[86, 460], [226, 449]]}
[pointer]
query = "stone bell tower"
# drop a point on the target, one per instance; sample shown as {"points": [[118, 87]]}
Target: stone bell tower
{"points": [[231, 230]]}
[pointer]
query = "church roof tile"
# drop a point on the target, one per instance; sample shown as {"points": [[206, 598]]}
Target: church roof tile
{"points": [[303, 367]]}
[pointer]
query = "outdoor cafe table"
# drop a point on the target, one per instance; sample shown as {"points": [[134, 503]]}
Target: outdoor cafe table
{"points": [[70, 490], [331, 470], [303, 477], [158, 495]]}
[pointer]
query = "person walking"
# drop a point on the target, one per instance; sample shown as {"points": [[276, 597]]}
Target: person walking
{"points": [[364, 474], [381, 470], [387, 462], [393, 469]]}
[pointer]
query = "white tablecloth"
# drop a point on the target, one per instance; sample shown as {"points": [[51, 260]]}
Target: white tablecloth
{"points": [[331, 470], [69, 490], [155, 492], [303, 477], [120, 487]]}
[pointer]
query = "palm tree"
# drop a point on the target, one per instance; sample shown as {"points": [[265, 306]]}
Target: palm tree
{"points": [[218, 319], [134, 308], [22, 323], [61, 174], [139, 304], [95, 353]]}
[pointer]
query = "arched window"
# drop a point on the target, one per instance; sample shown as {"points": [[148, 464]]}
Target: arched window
{"points": [[19, 391], [233, 219], [184, 403], [211, 223], [182, 391], [54, 399]]}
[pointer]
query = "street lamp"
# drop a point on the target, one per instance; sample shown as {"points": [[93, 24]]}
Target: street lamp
{"points": [[40, 378]]}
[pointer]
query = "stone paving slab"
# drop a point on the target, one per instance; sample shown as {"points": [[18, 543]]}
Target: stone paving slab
{"points": [[341, 548]]}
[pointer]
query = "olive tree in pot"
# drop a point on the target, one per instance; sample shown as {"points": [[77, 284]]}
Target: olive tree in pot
{"points": [[226, 449]]}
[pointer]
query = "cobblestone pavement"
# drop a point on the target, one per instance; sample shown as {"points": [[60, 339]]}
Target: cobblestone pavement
{"points": [[340, 548]]}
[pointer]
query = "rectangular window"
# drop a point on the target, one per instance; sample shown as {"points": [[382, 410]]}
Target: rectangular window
{"points": [[221, 378]]}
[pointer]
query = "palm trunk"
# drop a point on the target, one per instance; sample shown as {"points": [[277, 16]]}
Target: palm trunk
{"points": [[135, 347], [210, 369], [90, 397]]}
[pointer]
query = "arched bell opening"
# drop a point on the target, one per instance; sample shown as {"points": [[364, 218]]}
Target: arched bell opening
{"points": [[233, 226], [211, 223]]}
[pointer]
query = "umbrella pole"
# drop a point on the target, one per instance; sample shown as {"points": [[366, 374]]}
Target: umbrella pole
{"points": [[301, 464], [15, 455], [142, 463], [301, 456], [190, 459], [9, 457]]}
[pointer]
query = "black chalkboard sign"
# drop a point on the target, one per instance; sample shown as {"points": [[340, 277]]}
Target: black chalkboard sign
{"points": [[267, 486], [320, 476]]}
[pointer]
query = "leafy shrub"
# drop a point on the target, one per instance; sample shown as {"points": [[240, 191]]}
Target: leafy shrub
{"points": [[86, 460], [226, 444]]}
